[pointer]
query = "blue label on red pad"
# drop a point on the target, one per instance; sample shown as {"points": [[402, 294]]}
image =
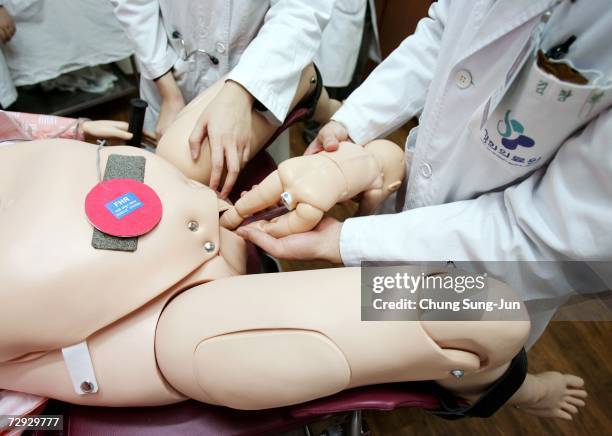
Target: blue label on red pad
{"points": [[124, 205]]}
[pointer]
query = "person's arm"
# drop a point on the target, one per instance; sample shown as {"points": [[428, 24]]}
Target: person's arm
{"points": [[269, 70], [394, 92], [141, 20], [271, 66], [142, 23], [172, 102], [560, 213]]}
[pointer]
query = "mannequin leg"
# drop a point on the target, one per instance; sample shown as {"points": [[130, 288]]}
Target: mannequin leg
{"points": [[270, 340], [174, 144]]}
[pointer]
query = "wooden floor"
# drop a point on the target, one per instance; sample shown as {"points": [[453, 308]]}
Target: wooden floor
{"points": [[581, 348]]}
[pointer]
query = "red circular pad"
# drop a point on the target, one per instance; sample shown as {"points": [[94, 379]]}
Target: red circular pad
{"points": [[123, 207]]}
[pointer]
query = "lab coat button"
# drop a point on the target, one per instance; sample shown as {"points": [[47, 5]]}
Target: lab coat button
{"points": [[220, 47], [426, 170], [463, 79]]}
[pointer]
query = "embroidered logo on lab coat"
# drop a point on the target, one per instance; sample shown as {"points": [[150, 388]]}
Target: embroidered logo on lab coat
{"points": [[511, 143], [507, 127]]}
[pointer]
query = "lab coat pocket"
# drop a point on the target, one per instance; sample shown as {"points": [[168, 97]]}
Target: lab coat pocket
{"points": [[535, 117]]}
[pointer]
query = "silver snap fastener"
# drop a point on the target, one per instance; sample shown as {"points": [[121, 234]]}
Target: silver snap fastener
{"points": [[426, 170], [287, 200], [87, 387], [463, 79], [457, 373], [220, 47], [313, 80], [209, 247], [193, 226]]}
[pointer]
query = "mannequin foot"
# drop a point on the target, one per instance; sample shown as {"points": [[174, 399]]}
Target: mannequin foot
{"points": [[554, 395]]}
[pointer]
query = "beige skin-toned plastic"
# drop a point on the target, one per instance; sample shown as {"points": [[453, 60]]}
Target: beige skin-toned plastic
{"points": [[310, 185], [174, 320], [174, 144], [106, 129]]}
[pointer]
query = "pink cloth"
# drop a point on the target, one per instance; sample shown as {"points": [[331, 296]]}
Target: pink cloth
{"points": [[20, 126], [17, 403]]}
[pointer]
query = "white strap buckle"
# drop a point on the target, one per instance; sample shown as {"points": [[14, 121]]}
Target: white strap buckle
{"points": [[80, 367]]}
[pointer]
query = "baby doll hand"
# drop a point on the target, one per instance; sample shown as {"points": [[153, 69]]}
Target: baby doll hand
{"points": [[301, 216], [321, 243], [7, 26], [329, 138], [106, 129]]}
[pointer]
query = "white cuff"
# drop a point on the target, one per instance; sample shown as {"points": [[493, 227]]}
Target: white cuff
{"points": [[274, 102], [154, 70], [357, 128], [351, 242]]}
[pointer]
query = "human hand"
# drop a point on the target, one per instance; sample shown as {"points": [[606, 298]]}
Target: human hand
{"points": [[321, 243], [226, 125], [329, 138], [7, 26], [106, 129]]}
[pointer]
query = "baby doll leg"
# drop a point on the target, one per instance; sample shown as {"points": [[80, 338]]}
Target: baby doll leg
{"points": [[174, 144]]}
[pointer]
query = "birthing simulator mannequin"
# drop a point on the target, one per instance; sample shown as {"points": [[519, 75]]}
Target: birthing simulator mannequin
{"points": [[174, 319], [223, 339], [173, 316]]}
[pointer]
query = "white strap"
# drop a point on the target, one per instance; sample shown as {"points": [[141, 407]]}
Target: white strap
{"points": [[80, 367]]}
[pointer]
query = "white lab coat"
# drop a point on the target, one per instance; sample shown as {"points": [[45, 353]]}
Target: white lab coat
{"points": [[263, 45], [57, 37], [340, 43], [471, 198], [8, 91]]}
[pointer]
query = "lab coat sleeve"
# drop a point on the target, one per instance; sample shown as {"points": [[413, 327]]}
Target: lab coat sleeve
{"points": [[271, 66], [17, 7], [143, 25], [396, 90], [8, 92], [559, 214]]}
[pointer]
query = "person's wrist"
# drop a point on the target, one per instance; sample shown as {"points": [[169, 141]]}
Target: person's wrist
{"points": [[168, 88], [174, 99], [331, 251], [240, 92]]}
